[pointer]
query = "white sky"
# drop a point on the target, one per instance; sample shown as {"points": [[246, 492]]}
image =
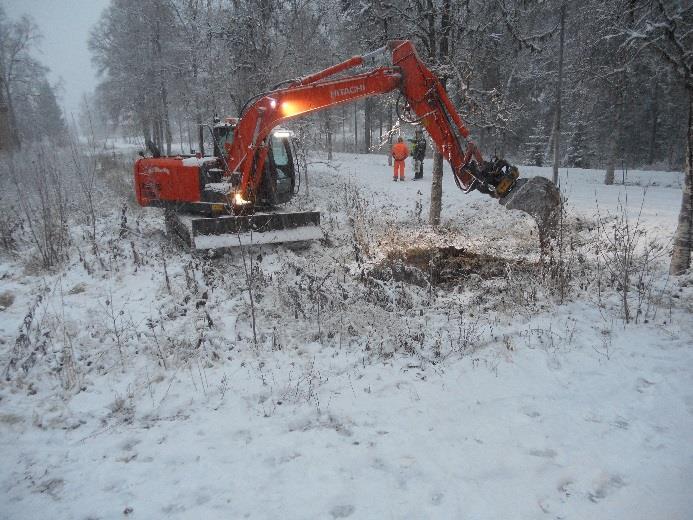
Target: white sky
{"points": [[65, 25]]}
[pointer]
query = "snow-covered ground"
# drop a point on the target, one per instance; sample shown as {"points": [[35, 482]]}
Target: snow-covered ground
{"points": [[140, 390]]}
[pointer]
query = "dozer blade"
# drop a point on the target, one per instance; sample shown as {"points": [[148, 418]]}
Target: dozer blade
{"points": [[224, 233], [540, 198]]}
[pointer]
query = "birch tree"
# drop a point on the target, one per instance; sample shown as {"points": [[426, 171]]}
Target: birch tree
{"points": [[665, 27]]}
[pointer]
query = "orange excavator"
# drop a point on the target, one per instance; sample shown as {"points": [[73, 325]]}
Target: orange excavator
{"points": [[229, 198]]}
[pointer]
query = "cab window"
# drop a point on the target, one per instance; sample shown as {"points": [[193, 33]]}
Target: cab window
{"points": [[281, 158]]}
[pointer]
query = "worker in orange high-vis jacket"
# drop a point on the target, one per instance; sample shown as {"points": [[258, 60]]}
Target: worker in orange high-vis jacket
{"points": [[399, 153]]}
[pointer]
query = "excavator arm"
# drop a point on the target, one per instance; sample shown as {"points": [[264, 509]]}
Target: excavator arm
{"points": [[425, 96]]}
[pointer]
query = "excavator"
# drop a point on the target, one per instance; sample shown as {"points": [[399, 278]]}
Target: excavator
{"points": [[230, 198]]}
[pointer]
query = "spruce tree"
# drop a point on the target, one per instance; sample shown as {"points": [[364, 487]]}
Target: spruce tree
{"points": [[46, 107], [536, 145], [578, 154]]}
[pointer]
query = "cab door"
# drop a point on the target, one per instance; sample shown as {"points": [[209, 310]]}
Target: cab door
{"points": [[280, 175]]}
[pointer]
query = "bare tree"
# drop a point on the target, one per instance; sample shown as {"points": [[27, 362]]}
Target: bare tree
{"points": [[438, 38], [559, 92], [17, 68]]}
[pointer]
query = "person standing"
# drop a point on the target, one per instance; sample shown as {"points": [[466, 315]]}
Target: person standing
{"points": [[418, 152], [399, 153]]}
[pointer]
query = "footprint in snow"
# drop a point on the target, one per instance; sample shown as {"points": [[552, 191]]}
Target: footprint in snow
{"points": [[545, 504], [604, 485], [565, 487], [202, 498], [620, 423], [643, 384], [129, 444], [378, 463], [129, 456], [51, 487], [243, 436], [282, 459], [530, 412], [547, 453], [593, 418], [342, 511], [437, 498]]}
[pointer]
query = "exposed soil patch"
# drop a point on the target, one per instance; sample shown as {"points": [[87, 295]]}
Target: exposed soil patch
{"points": [[444, 265], [6, 299]]}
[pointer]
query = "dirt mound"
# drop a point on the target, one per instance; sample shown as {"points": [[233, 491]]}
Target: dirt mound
{"points": [[443, 265]]}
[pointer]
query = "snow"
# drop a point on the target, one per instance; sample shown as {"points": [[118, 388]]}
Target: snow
{"points": [[360, 400], [197, 161], [276, 236], [219, 187]]}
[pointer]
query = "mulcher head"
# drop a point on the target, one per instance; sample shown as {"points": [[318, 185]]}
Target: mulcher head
{"points": [[225, 233], [540, 198]]}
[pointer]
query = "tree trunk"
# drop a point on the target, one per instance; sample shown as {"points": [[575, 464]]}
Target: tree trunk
{"points": [[4, 126], [155, 133], [655, 122], [146, 129], [436, 189], [164, 122], [160, 132], [180, 135], [14, 140], [389, 130], [167, 122], [437, 174], [681, 256], [356, 128], [198, 103], [367, 123], [344, 116], [6, 141], [328, 131], [559, 91], [613, 139]]}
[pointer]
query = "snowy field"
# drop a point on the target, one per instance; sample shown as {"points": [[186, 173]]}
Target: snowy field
{"points": [[133, 386]]}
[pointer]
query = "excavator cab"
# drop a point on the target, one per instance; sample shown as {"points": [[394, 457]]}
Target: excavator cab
{"points": [[222, 135], [279, 181]]}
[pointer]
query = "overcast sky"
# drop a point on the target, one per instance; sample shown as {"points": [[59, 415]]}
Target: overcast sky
{"points": [[65, 26]]}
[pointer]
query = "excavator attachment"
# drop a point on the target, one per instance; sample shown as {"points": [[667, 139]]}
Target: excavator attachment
{"points": [[225, 233], [540, 198]]}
